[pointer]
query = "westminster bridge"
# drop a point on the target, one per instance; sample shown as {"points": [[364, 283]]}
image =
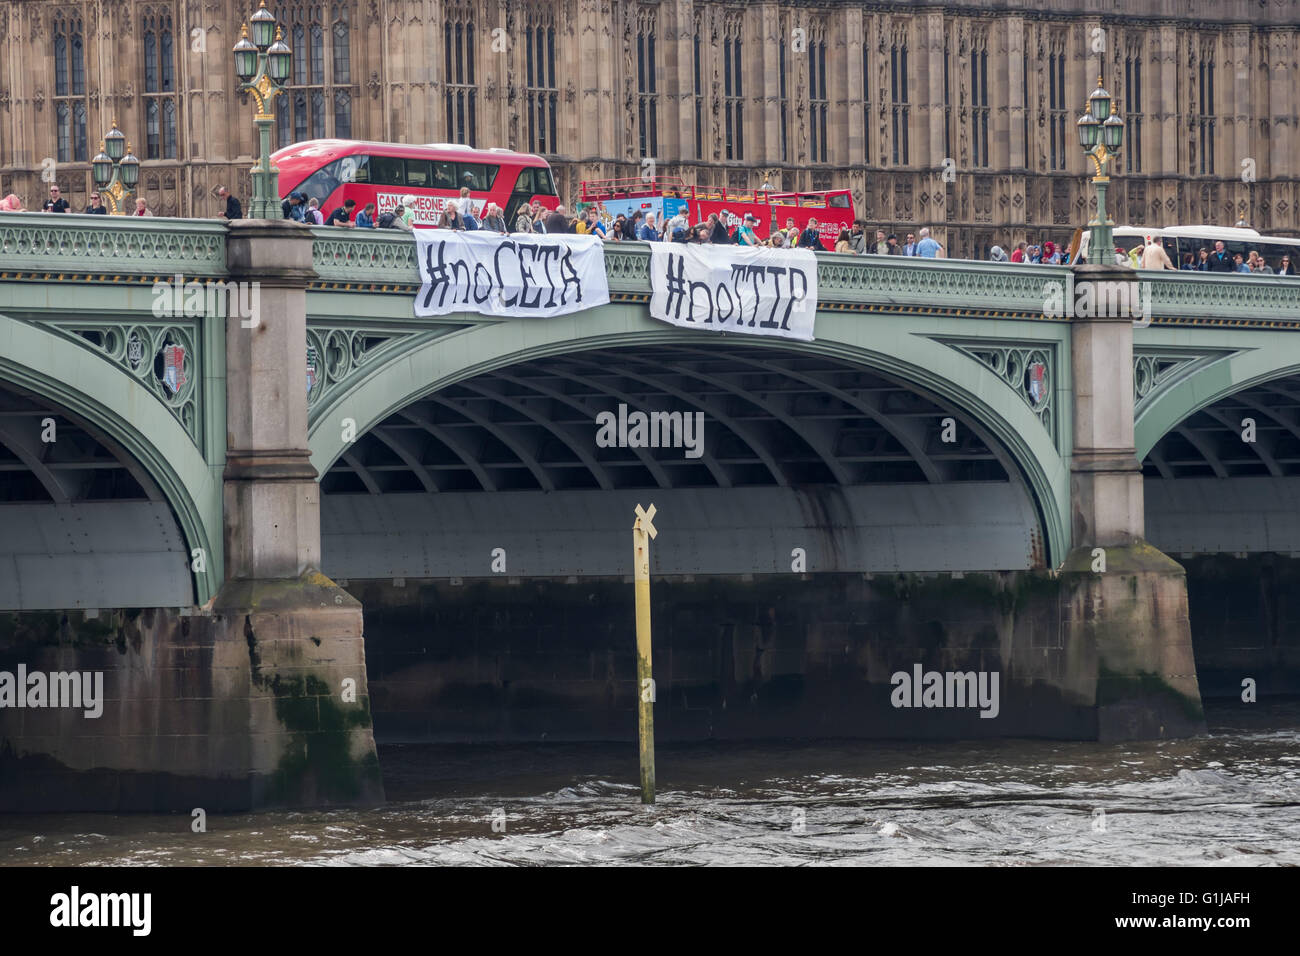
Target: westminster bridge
{"points": [[208, 506]]}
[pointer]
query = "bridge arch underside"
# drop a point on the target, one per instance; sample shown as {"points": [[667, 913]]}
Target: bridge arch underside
{"points": [[82, 524], [761, 451], [1226, 479], [1222, 491]]}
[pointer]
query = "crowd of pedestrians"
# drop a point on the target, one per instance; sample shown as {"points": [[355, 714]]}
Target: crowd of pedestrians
{"points": [[58, 203], [1219, 259], [1151, 254], [460, 214]]}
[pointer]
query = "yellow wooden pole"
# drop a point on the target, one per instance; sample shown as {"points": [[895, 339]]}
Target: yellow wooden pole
{"points": [[642, 527]]}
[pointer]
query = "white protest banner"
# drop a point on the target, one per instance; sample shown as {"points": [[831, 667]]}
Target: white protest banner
{"points": [[734, 289], [522, 274]]}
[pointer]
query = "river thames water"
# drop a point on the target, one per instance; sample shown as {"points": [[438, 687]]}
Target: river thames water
{"points": [[1229, 798]]}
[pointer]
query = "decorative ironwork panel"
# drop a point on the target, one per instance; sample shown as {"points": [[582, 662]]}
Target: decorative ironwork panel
{"points": [[1157, 369], [164, 357], [338, 357], [1028, 368]]}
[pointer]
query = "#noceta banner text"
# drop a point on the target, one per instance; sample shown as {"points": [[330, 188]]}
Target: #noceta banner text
{"points": [[726, 289], [509, 275]]}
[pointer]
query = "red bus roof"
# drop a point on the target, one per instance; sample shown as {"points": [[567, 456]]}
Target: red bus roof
{"points": [[321, 151], [327, 149]]}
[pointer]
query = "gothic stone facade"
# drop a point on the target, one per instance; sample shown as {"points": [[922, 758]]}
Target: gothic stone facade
{"points": [[951, 113]]}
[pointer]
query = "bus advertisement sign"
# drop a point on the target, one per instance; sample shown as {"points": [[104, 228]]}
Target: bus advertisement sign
{"points": [[428, 209], [663, 207]]}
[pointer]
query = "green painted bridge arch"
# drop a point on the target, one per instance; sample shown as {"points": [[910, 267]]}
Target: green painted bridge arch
{"points": [[925, 358], [74, 300]]}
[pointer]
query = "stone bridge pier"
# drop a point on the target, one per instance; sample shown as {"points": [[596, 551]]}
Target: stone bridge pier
{"points": [[288, 638], [1123, 602]]}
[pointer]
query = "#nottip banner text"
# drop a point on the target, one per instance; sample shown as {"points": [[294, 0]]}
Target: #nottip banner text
{"points": [[734, 289], [519, 274]]}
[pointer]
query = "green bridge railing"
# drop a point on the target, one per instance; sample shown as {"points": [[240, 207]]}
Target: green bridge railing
{"points": [[76, 248]]}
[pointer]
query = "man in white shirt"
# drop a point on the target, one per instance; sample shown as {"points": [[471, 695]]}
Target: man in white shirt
{"points": [[1154, 255]]}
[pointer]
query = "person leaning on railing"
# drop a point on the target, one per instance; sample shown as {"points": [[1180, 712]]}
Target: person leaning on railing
{"points": [[342, 215], [493, 219], [233, 210]]}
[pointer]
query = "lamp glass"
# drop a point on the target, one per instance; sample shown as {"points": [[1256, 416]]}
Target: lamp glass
{"points": [[262, 25], [1112, 132], [245, 60], [115, 143], [130, 169], [101, 169], [1099, 103], [278, 59], [1089, 131]]}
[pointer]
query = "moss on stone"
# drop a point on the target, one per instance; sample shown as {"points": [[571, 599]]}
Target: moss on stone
{"points": [[320, 749], [1121, 559], [1115, 687]]}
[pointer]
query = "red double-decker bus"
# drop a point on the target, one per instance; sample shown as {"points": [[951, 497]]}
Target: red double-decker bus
{"points": [[666, 196], [332, 170]]}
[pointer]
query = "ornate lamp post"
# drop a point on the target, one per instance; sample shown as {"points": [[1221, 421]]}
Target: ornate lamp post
{"points": [[1101, 133], [115, 171], [262, 66]]}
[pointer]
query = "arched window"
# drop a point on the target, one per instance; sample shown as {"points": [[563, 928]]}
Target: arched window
{"points": [[979, 101], [900, 109], [699, 88], [1133, 107], [733, 93], [1204, 125], [866, 101], [818, 104], [541, 94], [70, 89], [1056, 101], [317, 102], [159, 87], [647, 91], [458, 69]]}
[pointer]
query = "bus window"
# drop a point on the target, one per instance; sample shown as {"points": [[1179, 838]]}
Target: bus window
{"points": [[477, 176], [348, 166], [542, 180], [1273, 252], [362, 172], [418, 173], [523, 191], [444, 175], [324, 181], [387, 171], [839, 202]]}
